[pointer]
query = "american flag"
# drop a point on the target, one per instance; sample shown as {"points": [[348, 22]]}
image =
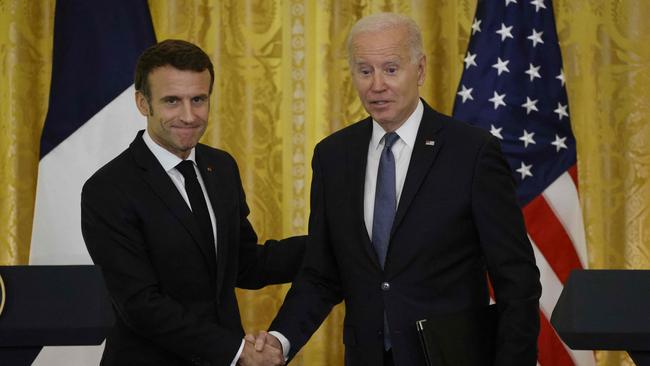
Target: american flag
{"points": [[513, 85]]}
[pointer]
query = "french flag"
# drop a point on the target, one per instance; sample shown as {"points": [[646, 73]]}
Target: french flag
{"points": [[91, 118]]}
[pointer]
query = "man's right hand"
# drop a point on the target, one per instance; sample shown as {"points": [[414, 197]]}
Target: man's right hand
{"points": [[265, 338], [266, 355]]}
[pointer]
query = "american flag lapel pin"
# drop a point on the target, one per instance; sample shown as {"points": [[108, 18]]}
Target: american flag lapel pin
{"points": [[429, 142]]}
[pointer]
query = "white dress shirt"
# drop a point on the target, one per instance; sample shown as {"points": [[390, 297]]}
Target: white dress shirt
{"points": [[169, 161], [402, 150]]}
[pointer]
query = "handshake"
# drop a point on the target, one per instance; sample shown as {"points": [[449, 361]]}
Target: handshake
{"points": [[263, 350]]}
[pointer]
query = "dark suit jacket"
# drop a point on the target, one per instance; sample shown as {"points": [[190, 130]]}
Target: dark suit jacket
{"points": [[457, 219], [174, 305]]}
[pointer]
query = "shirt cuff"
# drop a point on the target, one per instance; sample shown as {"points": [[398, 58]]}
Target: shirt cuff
{"points": [[286, 345], [236, 359]]}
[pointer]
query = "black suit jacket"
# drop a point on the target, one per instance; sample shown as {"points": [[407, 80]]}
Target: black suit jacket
{"points": [[456, 221], [174, 305]]}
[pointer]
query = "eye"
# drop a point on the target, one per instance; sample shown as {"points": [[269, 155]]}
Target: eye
{"points": [[364, 71], [170, 100], [391, 70], [199, 99]]}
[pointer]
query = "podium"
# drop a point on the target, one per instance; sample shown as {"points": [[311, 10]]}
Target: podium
{"points": [[51, 306], [606, 310]]}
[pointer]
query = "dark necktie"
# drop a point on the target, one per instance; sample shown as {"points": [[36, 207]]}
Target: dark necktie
{"points": [[197, 200], [385, 199], [384, 213]]}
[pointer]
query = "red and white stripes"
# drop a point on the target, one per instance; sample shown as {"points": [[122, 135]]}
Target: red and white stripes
{"points": [[555, 228]]}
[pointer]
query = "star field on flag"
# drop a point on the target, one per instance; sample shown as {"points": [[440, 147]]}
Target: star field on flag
{"points": [[513, 83], [513, 86]]}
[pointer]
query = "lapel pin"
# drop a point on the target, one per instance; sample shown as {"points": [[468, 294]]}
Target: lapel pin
{"points": [[429, 142], [209, 168]]}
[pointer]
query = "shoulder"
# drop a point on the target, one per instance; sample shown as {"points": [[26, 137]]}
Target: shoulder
{"points": [[357, 132], [215, 156], [458, 130], [119, 166]]}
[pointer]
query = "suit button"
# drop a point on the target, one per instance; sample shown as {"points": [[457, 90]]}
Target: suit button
{"points": [[385, 286]]}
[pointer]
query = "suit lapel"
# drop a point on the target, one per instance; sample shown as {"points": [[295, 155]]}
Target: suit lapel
{"points": [[213, 177], [164, 188], [356, 171], [427, 146]]}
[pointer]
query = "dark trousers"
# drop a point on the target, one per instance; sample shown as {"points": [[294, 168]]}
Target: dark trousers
{"points": [[388, 358]]}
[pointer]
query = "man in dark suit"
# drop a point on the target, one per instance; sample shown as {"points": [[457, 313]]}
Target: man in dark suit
{"points": [[167, 222], [410, 211]]}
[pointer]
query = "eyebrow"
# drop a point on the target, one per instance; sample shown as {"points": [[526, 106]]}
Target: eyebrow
{"points": [[173, 96]]}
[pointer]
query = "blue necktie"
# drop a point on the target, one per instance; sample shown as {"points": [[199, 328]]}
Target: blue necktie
{"points": [[384, 213], [385, 199]]}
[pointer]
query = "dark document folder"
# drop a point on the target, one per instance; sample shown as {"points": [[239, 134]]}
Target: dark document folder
{"points": [[460, 339]]}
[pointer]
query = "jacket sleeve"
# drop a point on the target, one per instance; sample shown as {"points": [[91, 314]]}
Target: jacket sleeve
{"points": [[275, 262], [318, 285], [509, 256], [113, 235]]}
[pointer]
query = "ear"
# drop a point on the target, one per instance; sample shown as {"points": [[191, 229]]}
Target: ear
{"points": [[142, 103], [422, 70]]}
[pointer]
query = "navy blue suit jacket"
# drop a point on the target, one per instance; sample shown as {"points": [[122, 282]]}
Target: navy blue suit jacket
{"points": [[457, 221]]}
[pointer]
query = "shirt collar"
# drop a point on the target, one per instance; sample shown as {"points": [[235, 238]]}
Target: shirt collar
{"points": [[407, 132], [167, 159]]}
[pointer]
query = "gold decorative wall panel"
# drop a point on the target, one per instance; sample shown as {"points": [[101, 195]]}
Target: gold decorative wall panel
{"points": [[25, 66], [282, 84]]}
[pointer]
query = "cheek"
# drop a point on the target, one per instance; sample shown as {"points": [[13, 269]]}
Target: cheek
{"points": [[165, 115], [360, 86], [202, 112]]}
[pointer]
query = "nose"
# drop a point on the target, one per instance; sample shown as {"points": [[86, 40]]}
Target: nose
{"points": [[187, 112], [378, 82]]}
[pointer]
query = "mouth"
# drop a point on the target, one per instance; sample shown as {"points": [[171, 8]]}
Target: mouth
{"points": [[379, 103], [186, 127]]}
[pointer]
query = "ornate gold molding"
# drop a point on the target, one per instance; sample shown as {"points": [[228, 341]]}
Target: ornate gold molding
{"points": [[2, 295]]}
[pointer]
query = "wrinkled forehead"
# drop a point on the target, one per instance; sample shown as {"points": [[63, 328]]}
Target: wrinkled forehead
{"points": [[388, 44]]}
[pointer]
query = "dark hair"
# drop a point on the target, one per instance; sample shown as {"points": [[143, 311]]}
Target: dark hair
{"points": [[179, 54]]}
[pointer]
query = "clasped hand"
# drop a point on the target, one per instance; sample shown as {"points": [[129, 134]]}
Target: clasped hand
{"points": [[263, 349]]}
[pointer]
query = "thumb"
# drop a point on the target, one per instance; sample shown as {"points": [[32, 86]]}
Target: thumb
{"points": [[260, 341]]}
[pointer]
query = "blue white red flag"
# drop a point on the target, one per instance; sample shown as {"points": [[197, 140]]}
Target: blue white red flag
{"points": [[91, 118], [513, 85]]}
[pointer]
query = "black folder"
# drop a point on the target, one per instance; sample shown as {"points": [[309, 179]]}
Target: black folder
{"points": [[465, 338]]}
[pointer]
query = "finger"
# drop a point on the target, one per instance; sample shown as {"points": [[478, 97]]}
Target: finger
{"points": [[250, 338], [260, 341]]}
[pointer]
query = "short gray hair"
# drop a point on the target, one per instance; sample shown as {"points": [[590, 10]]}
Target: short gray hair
{"points": [[382, 21]]}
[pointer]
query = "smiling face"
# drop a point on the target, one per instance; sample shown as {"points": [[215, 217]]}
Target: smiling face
{"points": [[384, 75], [177, 114]]}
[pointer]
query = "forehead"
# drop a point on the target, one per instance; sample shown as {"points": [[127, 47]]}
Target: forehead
{"points": [[386, 44], [170, 80]]}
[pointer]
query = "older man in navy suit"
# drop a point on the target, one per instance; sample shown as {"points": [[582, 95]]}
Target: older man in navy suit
{"points": [[410, 213]]}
